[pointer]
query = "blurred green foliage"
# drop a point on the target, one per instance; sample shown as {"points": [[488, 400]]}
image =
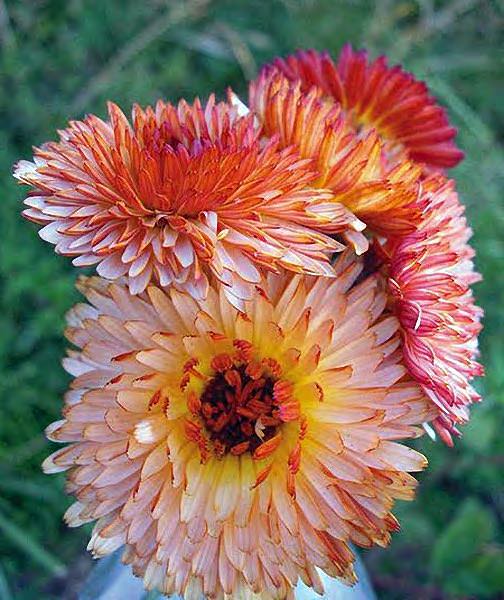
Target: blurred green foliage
{"points": [[62, 58]]}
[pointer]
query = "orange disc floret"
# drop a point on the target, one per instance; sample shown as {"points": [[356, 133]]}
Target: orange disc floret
{"points": [[388, 99], [279, 450], [350, 165], [431, 272], [180, 193]]}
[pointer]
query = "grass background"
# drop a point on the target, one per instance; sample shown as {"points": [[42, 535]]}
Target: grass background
{"points": [[63, 58]]}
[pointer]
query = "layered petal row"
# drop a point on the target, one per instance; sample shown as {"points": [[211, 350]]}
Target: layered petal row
{"points": [[431, 272], [378, 96], [352, 166]]}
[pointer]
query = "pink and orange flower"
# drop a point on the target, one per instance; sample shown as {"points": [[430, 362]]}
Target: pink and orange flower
{"points": [[184, 192], [234, 452], [431, 271], [377, 96]]}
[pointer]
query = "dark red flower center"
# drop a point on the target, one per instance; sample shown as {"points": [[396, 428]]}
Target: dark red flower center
{"points": [[238, 410], [243, 403]]}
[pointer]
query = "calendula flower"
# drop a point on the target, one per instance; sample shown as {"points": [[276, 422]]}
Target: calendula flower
{"points": [[388, 99], [352, 166], [431, 272], [182, 192], [233, 452]]}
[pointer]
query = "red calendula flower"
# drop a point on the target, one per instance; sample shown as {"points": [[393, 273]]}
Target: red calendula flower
{"points": [[431, 272], [385, 98], [234, 452], [352, 166], [182, 192]]}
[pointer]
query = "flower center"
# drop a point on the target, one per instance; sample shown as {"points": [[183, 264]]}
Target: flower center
{"points": [[238, 409], [244, 402]]}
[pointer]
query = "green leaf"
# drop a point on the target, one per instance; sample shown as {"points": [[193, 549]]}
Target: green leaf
{"points": [[490, 568], [480, 577], [21, 539], [472, 526], [5, 593], [480, 432]]}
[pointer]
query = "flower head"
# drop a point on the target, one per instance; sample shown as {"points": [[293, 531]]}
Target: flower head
{"points": [[388, 99], [431, 272], [233, 452], [182, 192], [350, 165]]}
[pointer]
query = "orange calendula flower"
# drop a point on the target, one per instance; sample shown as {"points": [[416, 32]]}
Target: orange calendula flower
{"points": [[431, 272], [182, 192], [388, 99], [352, 166], [233, 452]]}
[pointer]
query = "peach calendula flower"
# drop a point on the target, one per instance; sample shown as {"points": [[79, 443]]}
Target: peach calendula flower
{"points": [[351, 166], [182, 192], [232, 452], [431, 272], [388, 99]]}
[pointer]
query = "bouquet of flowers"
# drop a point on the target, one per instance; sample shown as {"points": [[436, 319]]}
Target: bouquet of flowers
{"points": [[283, 295]]}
